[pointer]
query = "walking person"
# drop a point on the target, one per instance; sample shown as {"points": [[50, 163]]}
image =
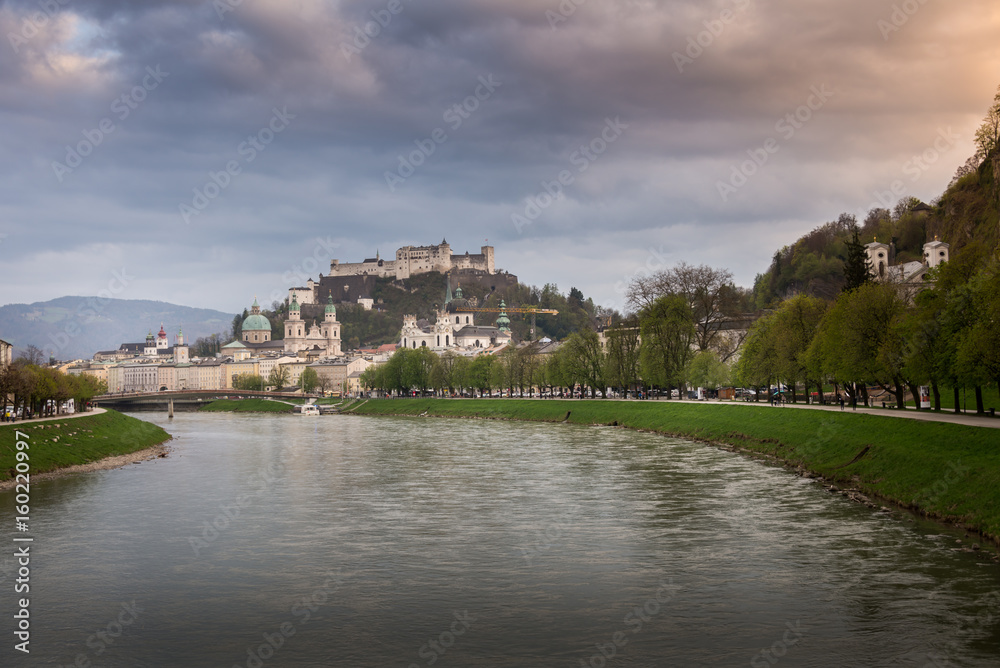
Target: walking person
{"points": [[842, 402]]}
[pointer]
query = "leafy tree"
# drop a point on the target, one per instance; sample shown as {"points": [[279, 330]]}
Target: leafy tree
{"points": [[279, 376], [623, 355], [977, 354], [708, 371], [759, 359], [858, 340], [308, 380], [795, 324], [248, 381], [988, 134], [585, 360], [668, 333]]}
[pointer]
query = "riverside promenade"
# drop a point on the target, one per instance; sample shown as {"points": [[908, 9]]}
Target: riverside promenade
{"points": [[972, 420]]}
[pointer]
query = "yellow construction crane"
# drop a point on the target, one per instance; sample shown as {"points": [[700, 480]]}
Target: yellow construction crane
{"points": [[533, 310]]}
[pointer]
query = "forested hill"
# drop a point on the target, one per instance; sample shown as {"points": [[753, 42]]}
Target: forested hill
{"points": [[965, 216]]}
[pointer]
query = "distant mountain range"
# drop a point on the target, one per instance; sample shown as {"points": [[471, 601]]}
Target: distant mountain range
{"points": [[76, 327]]}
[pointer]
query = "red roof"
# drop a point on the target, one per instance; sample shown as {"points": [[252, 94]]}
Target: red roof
{"points": [[387, 347]]}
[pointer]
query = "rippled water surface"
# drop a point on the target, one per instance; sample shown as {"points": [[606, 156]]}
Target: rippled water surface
{"points": [[350, 541]]}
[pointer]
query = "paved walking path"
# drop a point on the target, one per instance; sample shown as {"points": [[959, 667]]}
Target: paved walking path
{"points": [[92, 411], [927, 416]]}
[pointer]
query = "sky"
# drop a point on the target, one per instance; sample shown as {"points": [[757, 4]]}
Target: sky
{"points": [[204, 152]]}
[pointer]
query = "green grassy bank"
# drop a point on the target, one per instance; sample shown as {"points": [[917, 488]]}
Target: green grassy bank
{"points": [[56, 444], [946, 471], [247, 406]]}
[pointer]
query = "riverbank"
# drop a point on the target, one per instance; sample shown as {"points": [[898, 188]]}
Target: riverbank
{"points": [[83, 443], [247, 406], [944, 471]]}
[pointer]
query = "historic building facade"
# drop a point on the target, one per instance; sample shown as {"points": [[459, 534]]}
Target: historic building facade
{"points": [[454, 327]]}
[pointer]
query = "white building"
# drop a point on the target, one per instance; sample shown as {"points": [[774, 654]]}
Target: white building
{"points": [[454, 327], [881, 263]]}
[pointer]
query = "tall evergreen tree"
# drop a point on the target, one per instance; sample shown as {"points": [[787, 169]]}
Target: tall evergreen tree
{"points": [[856, 269]]}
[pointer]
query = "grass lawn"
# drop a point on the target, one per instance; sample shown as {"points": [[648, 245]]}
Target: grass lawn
{"points": [[56, 444], [246, 406], [947, 471]]}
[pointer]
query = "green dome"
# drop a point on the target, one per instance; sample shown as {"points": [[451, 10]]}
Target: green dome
{"points": [[256, 323], [330, 308]]}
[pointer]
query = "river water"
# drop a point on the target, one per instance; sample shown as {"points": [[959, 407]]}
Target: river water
{"points": [[351, 541]]}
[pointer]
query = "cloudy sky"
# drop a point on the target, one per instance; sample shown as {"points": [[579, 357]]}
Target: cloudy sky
{"points": [[203, 152]]}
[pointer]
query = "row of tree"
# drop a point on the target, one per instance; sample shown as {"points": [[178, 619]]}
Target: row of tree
{"points": [[41, 390], [882, 335], [686, 328]]}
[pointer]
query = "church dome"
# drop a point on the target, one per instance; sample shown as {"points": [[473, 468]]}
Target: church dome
{"points": [[255, 322]]}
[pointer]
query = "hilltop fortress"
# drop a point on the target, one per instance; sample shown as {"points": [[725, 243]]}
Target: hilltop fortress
{"points": [[354, 282], [411, 260]]}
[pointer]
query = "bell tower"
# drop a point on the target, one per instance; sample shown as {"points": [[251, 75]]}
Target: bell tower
{"points": [[330, 329], [878, 259]]}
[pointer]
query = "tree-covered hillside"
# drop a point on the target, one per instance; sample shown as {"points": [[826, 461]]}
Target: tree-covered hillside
{"points": [[965, 216]]}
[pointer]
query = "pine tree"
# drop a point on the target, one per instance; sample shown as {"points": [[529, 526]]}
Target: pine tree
{"points": [[856, 268]]}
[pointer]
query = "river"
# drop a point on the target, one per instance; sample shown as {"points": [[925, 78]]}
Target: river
{"points": [[292, 541]]}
